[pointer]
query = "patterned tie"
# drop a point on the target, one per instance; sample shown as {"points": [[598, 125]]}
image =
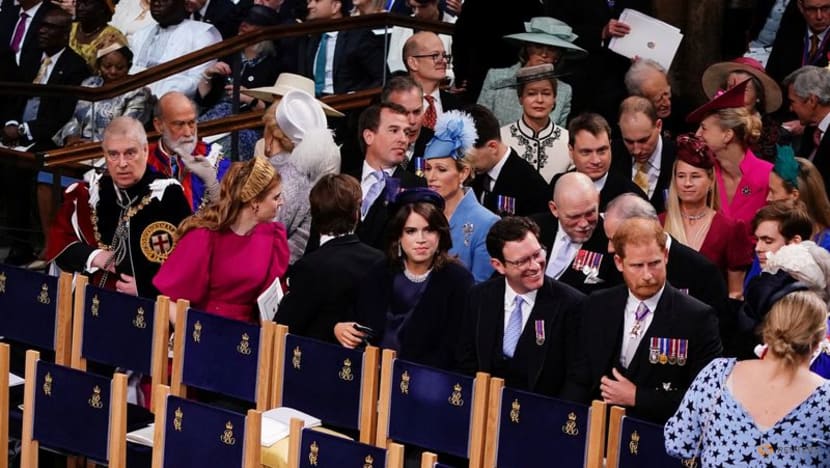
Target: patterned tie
{"points": [[320, 66], [641, 177], [813, 45], [374, 192], [41, 74], [563, 258], [514, 329], [430, 116], [17, 38]]}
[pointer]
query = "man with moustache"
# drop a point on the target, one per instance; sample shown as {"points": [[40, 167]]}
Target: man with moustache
{"points": [[590, 147], [572, 233], [521, 326], [384, 141], [121, 226], [642, 343], [179, 153], [172, 37]]}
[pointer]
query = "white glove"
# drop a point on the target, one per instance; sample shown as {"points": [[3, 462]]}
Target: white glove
{"points": [[205, 171]]}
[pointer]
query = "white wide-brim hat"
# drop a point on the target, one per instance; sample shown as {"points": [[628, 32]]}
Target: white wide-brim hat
{"points": [[287, 82], [297, 113]]}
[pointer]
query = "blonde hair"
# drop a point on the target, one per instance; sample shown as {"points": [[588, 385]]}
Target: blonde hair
{"points": [[746, 125], [269, 119], [243, 183], [794, 326], [674, 220]]}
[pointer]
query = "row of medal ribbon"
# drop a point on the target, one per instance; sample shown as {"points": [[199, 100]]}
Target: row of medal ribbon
{"points": [[672, 351]]}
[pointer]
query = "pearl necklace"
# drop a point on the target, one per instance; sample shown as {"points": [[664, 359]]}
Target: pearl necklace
{"points": [[415, 278], [693, 218]]}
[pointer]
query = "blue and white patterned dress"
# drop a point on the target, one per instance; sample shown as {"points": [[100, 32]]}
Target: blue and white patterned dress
{"points": [[731, 438]]}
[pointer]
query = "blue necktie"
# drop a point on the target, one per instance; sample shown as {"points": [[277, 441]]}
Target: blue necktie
{"points": [[320, 66], [514, 329], [374, 192]]}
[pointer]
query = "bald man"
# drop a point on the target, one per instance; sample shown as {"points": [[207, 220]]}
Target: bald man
{"points": [[180, 153], [572, 233], [426, 60]]}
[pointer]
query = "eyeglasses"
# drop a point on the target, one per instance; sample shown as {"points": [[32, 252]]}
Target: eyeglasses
{"points": [[814, 10], [436, 57], [523, 263]]}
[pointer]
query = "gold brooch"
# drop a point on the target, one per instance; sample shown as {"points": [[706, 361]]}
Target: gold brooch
{"points": [[346, 372], [227, 437], [569, 427], [455, 398], [43, 297], [138, 321], [95, 399]]}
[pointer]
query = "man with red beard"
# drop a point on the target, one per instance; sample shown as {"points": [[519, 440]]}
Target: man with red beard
{"points": [[521, 325], [642, 343], [384, 141], [180, 154], [120, 227]]}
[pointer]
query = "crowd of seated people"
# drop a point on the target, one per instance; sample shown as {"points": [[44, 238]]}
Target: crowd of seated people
{"points": [[568, 228]]}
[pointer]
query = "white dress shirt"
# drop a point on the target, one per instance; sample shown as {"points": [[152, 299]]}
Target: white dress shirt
{"points": [[631, 342], [510, 302], [31, 12], [600, 183], [367, 179]]}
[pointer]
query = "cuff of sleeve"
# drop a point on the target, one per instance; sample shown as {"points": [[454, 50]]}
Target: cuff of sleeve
{"points": [[88, 265]]}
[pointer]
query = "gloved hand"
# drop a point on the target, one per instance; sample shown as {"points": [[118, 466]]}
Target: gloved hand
{"points": [[205, 171]]}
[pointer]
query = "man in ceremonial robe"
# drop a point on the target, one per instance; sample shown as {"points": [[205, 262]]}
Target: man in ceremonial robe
{"points": [[121, 226]]}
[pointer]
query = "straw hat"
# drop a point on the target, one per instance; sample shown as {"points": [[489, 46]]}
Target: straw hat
{"points": [[715, 76], [290, 82]]}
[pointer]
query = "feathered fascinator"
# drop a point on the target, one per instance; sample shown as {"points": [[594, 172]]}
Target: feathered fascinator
{"points": [[455, 134], [786, 167]]}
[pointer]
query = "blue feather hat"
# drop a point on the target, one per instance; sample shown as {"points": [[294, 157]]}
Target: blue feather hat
{"points": [[455, 134]]}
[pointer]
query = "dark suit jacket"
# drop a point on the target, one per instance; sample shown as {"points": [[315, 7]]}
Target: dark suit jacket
{"points": [[615, 185], [540, 368], [449, 101], [789, 46], [223, 15], [822, 157], [31, 52], [358, 59], [689, 270], [622, 164], [323, 285], [53, 112], [517, 179], [660, 387], [431, 332], [372, 229], [549, 227]]}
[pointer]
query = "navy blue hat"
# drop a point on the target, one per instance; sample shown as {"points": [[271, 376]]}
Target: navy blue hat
{"points": [[765, 290], [417, 195]]}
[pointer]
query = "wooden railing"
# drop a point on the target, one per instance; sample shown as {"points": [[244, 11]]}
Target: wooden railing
{"points": [[68, 158]]}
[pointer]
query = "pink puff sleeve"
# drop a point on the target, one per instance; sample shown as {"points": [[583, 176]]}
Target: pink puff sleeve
{"points": [[280, 253], [185, 273]]}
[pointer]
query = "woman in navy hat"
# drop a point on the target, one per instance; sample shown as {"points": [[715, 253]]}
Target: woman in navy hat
{"points": [[730, 130], [446, 172], [693, 219], [414, 304]]}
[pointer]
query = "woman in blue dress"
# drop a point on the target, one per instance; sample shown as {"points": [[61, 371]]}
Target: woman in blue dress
{"points": [[762, 412], [446, 172]]}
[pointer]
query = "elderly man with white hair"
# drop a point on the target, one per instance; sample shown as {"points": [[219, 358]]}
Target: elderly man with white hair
{"points": [[808, 91], [573, 234]]}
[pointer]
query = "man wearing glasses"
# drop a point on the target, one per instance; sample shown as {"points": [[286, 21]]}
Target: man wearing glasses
{"points": [[120, 227], [521, 325], [427, 62], [802, 38]]}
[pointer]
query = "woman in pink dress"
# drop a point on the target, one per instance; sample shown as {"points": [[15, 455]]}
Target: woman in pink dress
{"points": [[230, 252], [692, 215], [729, 129]]}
